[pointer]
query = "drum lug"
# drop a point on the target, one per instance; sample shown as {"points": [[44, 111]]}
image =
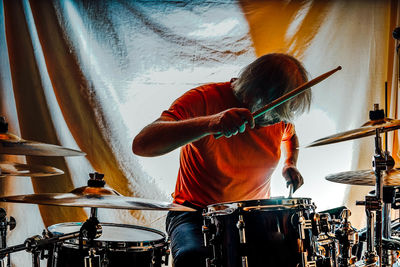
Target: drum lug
{"points": [[165, 251], [304, 225], [208, 231], [92, 260], [311, 264]]}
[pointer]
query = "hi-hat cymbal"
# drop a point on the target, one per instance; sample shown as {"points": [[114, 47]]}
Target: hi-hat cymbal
{"points": [[366, 129], [365, 177], [13, 145], [94, 197], [19, 169]]}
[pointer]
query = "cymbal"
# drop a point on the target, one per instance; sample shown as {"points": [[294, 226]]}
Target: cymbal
{"points": [[94, 197], [365, 177], [366, 129], [19, 169], [14, 145]]}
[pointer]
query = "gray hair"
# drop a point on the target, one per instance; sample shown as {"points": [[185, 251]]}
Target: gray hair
{"points": [[268, 78]]}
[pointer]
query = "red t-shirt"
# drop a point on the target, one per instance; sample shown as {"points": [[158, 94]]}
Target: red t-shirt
{"points": [[225, 169]]}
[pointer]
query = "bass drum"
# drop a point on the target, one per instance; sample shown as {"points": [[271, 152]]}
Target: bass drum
{"points": [[266, 232], [119, 245]]}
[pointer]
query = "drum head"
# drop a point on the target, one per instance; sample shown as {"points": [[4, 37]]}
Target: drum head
{"points": [[259, 204], [122, 235]]}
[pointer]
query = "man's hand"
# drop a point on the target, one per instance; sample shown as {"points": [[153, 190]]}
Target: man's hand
{"points": [[231, 121], [292, 176]]}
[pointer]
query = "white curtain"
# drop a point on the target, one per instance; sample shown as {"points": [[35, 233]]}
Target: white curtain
{"points": [[131, 59]]}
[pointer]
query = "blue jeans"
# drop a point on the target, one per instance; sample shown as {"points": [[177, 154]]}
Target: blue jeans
{"points": [[184, 230]]}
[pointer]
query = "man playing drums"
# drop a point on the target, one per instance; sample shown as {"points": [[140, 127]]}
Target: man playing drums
{"points": [[237, 166]]}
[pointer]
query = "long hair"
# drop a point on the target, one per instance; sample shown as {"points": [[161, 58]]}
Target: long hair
{"points": [[268, 78]]}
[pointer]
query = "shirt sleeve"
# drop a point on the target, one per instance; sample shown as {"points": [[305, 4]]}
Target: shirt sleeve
{"points": [[289, 131], [191, 104]]}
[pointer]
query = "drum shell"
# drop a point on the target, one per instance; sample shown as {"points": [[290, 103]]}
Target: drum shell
{"points": [[271, 232], [146, 253]]}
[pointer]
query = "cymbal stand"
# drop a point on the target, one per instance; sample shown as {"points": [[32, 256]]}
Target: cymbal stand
{"points": [[5, 223], [381, 162], [91, 230], [37, 243]]}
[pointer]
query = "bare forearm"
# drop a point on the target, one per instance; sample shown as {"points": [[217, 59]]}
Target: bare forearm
{"points": [[163, 136], [291, 150]]}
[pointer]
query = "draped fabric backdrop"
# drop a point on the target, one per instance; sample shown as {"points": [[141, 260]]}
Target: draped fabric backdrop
{"points": [[89, 75]]}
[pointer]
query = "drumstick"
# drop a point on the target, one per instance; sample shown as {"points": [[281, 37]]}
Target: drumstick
{"points": [[290, 95], [290, 190]]}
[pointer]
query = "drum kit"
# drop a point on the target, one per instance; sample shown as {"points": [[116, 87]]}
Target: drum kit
{"points": [[265, 232], [89, 243], [289, 232]]}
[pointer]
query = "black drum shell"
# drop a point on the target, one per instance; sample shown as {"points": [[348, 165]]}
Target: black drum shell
{"points": [[146, 253], [271, 231]]}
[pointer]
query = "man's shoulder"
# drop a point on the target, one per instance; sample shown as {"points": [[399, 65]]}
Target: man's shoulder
{"points": [[218, 89], [213, 86]]}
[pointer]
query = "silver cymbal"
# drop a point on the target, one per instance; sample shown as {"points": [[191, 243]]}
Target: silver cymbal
{"points": [[365, 177], [19, 169], [13, 145], [94, 197], [367, 129]]}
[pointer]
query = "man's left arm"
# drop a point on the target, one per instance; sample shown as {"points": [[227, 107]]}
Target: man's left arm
{"points": [[290, 171]]}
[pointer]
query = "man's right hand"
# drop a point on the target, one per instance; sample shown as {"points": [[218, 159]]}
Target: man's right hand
{"points": [[231, 121]]}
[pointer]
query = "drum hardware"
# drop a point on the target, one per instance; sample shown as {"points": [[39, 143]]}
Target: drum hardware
{"points": [[389, 242], [242, 236], [382, 162], [5, 224], [92, 260], [209, 236], [14, 145], [92, 229], [347, 237], [94, 195], [118, 245], [324, 239], [305, 224], [38, 245], [260, 232]]}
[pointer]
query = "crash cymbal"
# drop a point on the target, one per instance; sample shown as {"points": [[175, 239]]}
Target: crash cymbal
{"points": [[19, 169], [366, 129], [13, 145], [94, 197], [365, 177]]}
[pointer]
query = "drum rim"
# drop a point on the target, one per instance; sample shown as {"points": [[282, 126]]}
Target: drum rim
{"points": [[277, 203], [115, 244]]}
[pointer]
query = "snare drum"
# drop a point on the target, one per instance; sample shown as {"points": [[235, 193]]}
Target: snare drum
{"points": [[119, 245], [267, 232]]}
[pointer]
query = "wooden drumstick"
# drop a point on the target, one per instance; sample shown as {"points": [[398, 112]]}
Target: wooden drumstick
{"points": [[290, 95], [290, 190]]}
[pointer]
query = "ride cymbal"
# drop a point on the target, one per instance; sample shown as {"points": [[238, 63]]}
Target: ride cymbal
{"points": [[13, 145], [94, 197], [365, 177], [19, 169], [366, 129]]}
